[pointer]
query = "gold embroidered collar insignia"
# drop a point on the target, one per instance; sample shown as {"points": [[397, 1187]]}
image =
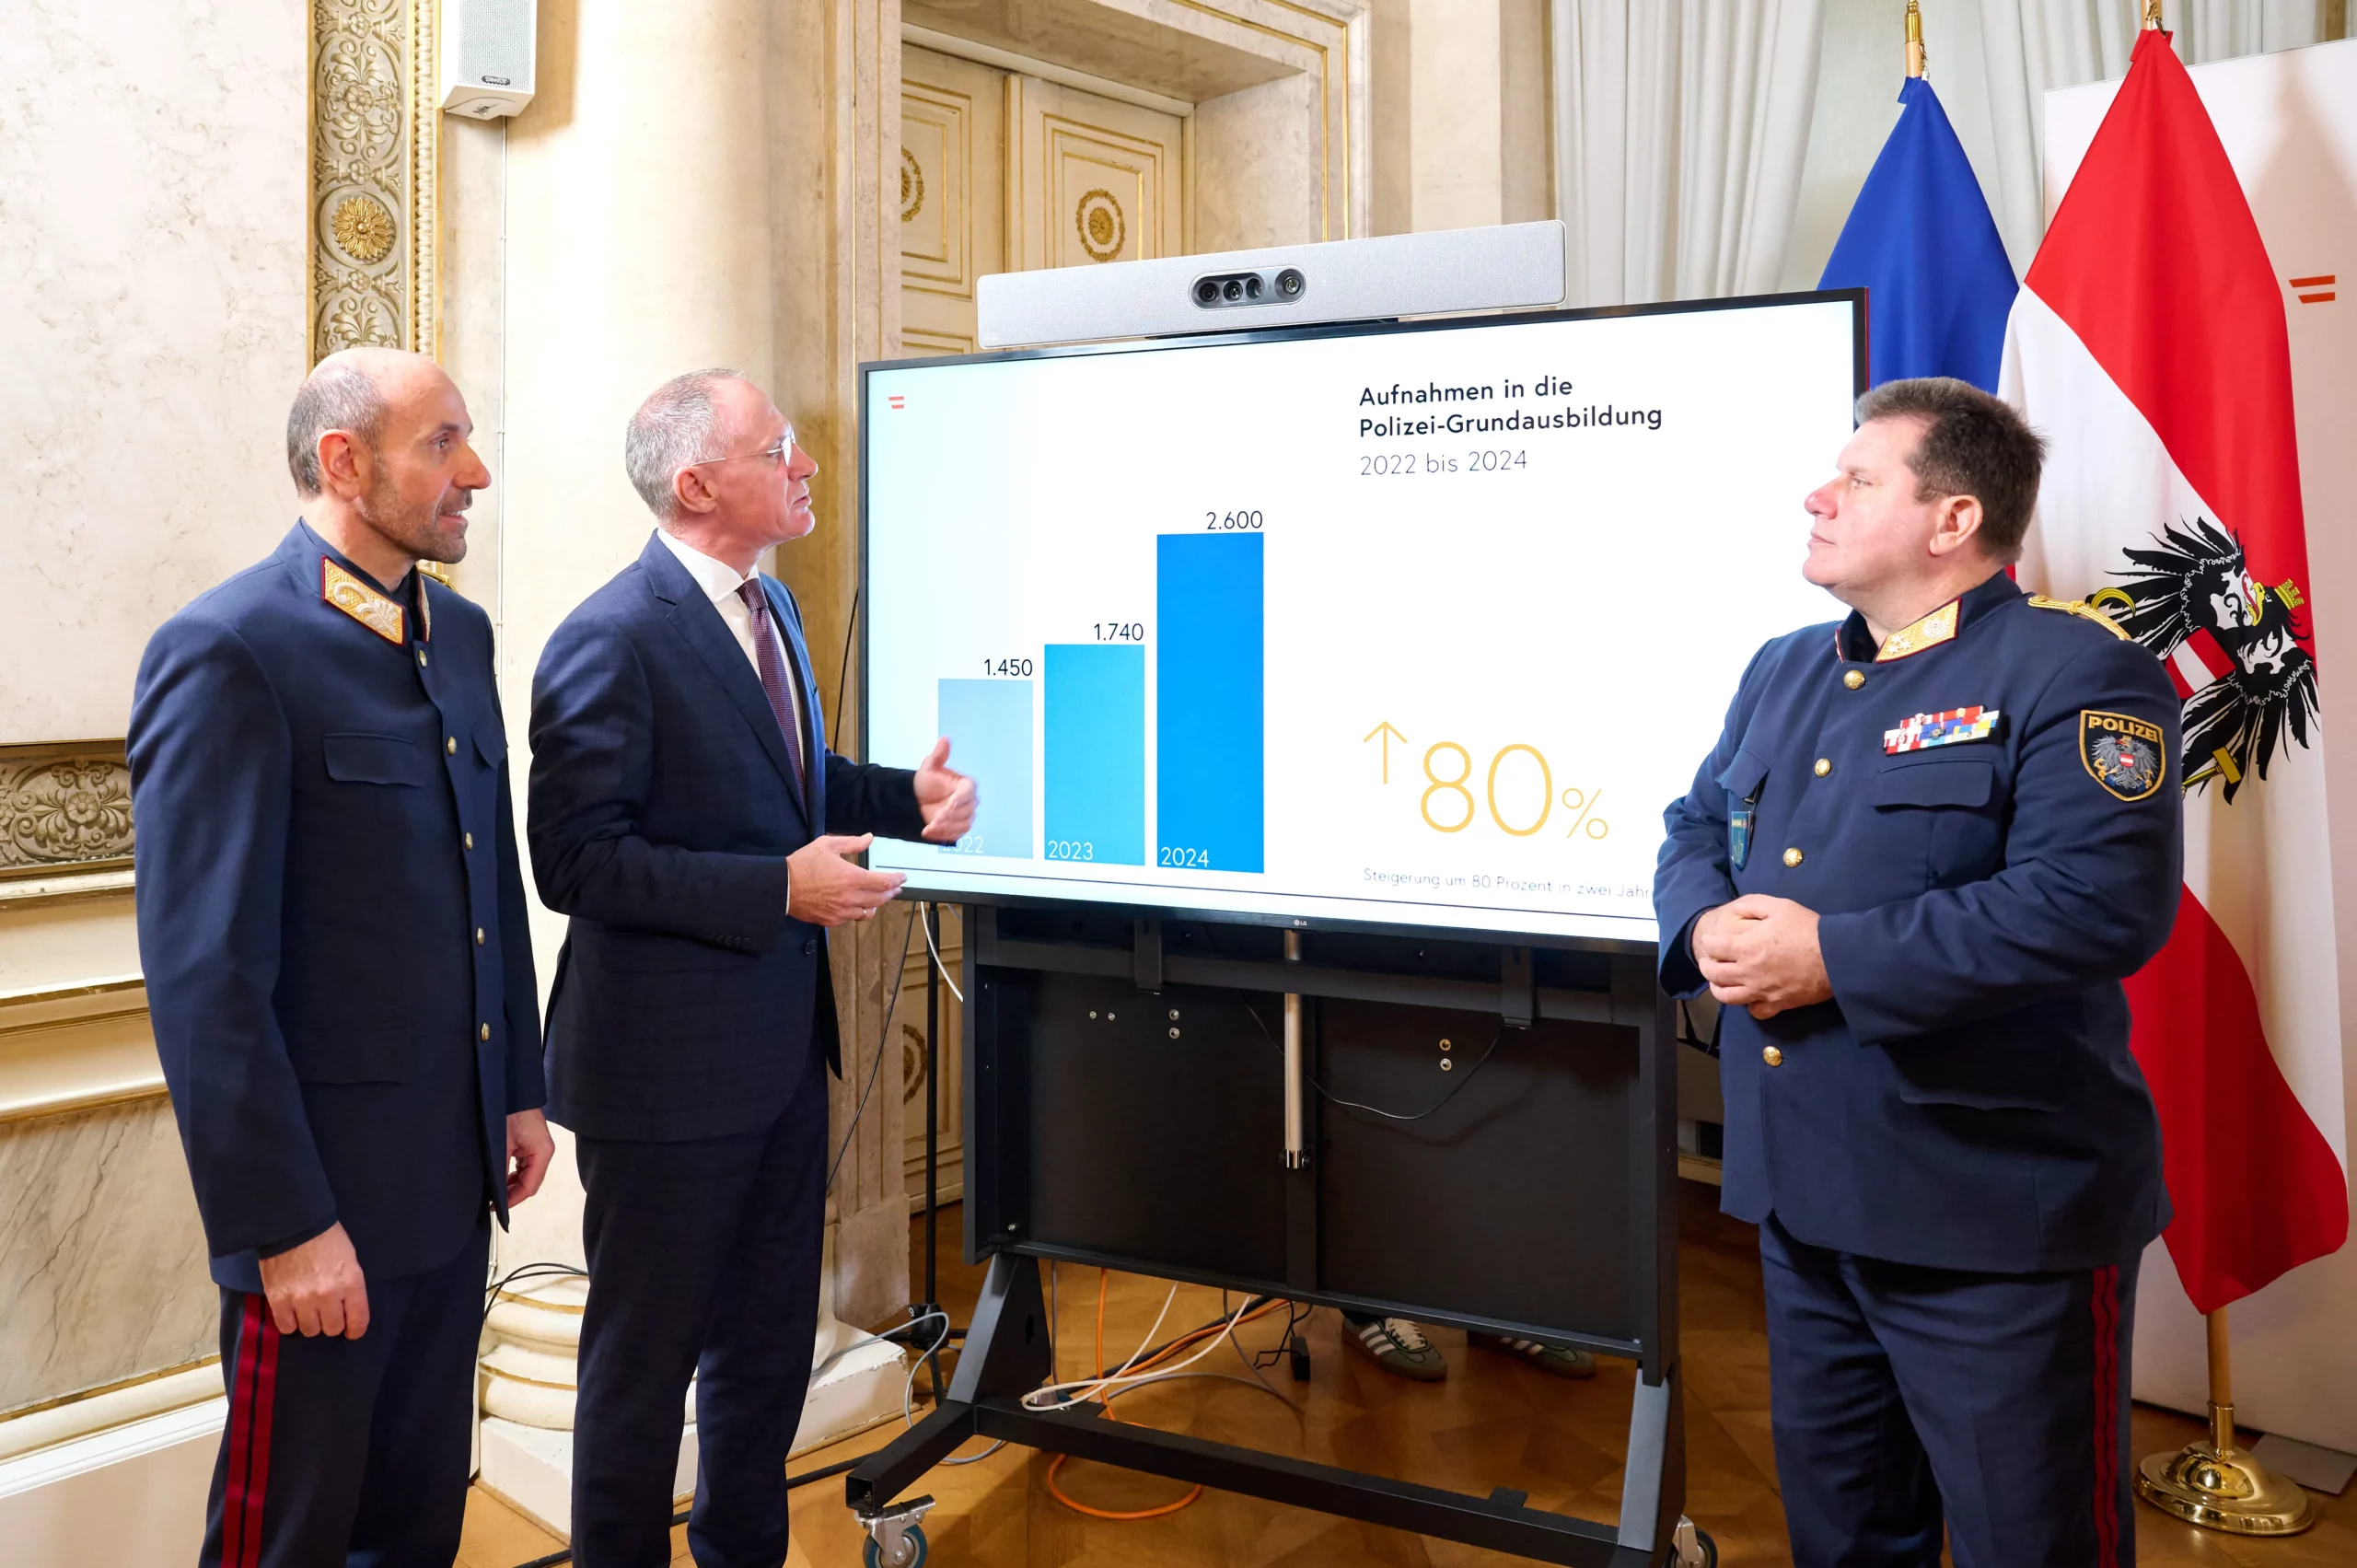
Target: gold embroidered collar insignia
{"points": [[363, 603], [1928, 632]]}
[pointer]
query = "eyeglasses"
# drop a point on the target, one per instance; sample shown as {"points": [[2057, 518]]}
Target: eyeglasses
{"points": [[783, 452]]}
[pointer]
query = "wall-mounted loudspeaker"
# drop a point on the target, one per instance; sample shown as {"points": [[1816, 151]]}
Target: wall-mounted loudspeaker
{"points": [[487, 48]]}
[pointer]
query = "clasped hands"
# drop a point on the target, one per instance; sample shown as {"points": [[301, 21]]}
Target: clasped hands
{"points": [[825, 886], [1760, 954]]}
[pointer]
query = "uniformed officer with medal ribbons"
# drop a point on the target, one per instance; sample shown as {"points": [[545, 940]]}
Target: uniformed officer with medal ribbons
{"points": [[1931, 842]]}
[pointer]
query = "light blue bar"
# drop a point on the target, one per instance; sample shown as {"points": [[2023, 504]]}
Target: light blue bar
{"points": [[989, 726], [1209, 661], [1095, 753]]}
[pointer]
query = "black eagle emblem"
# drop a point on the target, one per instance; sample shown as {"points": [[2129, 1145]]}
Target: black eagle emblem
{"points": [[2196, 588]]}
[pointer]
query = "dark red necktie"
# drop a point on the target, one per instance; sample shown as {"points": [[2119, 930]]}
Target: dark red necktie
{"points": [[772, 661]]}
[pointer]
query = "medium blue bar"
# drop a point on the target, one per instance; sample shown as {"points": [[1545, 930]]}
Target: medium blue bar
{"points": [[989, 726], [1096, 752], [1209, 658]]}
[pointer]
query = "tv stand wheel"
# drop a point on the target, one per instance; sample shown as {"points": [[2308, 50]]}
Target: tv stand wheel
{"points": [[1691, 1547]]}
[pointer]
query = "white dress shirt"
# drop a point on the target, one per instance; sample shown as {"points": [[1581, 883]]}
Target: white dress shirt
{"points": [[720, 582]]}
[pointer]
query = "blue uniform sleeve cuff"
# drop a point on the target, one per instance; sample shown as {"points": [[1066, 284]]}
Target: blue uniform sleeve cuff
{"points": [[308, 1233]]}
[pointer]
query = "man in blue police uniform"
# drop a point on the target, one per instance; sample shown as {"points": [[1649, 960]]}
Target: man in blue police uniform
{"points": [[331, 923], [688, 816], [1930, 844]]}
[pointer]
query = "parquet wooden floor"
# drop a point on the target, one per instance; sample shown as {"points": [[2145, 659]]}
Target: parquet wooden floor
{"points": [[1493, 1423]]}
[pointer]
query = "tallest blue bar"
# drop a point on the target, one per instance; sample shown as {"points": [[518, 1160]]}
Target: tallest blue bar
{"points": [[1210, 661]]}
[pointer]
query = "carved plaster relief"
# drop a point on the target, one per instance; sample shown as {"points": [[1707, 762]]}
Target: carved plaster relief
{"points": [[63, 806], [374, 153]]}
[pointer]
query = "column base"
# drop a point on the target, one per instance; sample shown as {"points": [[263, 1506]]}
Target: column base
{"points": [[531, 1466]]}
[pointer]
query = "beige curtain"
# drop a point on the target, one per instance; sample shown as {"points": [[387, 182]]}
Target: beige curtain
{"points": [[1680, 128], [2033, 46]]}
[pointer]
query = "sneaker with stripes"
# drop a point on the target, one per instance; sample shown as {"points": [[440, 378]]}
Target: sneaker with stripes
{"points": [[1395, 1345]]}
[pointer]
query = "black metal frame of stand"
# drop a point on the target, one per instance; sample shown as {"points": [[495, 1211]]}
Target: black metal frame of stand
{"points": [[1033, 1065]]}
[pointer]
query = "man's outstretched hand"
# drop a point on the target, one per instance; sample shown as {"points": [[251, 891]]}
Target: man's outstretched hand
{"points": [[1760, 954], [824, 888], [945, 796]]}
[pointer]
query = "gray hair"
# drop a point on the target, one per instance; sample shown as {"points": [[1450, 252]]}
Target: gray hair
{"points": [[333, 397], [676, 425]]}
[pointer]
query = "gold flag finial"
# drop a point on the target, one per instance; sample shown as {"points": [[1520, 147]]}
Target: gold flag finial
{"points": [[2153, 15], [1915, 57]]}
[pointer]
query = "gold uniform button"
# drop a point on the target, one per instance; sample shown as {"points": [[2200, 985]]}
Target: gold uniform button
{"points": [[1770, 1055], [1792, 857], [421, 659], [471, 840], [451, 746], [1824, 766], [1854, 679], [486, 1032], [478, 936]]}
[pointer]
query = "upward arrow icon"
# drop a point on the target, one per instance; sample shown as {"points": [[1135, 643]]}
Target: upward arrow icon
{"points": [[1390, 735]]}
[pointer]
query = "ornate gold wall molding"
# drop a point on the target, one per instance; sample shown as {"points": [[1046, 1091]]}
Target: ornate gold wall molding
{"points": [[375, 159], [64, 805]]}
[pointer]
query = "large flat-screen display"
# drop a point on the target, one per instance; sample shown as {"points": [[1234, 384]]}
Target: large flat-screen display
{"points": [[1402, 625]]}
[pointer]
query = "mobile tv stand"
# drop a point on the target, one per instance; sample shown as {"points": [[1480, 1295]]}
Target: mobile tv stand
{"points": [[1156, 1095]]}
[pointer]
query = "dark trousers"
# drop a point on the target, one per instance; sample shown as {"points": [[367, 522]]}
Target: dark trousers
{"points": [[350, 1451], [1905, 1398], [704, 1261]]}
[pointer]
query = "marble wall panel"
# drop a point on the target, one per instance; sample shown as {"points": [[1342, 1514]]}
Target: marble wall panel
{"points": [[103, 1263], [1257, 166], [152, 231]]}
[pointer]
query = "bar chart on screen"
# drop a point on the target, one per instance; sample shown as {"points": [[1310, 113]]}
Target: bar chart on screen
{"points": [[1090, 703]]}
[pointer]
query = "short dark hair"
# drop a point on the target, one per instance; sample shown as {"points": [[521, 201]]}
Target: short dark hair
{"points": [[1973, 444], [333, 397]]}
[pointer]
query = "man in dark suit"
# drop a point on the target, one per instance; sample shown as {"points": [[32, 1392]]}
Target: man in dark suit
{"points": [[686, 813], [1931, 841], [331, 924]]}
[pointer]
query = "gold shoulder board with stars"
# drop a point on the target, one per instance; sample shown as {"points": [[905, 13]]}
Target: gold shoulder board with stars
{"points": [[363, 603], [2083, 610]]}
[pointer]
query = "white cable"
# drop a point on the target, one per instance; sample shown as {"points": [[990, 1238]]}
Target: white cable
{"points": [[936, 955], [1093, 1386], [909, 1416]]}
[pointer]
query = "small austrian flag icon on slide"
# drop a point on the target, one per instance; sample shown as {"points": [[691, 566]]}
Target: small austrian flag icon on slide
{"points": [[895, 400], [1948, 729]]}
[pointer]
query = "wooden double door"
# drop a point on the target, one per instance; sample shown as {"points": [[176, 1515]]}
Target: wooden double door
{"points": [[1002, 171]]}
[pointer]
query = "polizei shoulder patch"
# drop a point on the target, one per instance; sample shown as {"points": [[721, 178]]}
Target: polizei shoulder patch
{"points": [[2122, 752]]}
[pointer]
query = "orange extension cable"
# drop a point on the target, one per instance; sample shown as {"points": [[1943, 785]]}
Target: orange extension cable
{"points": [[1183, 1341]]}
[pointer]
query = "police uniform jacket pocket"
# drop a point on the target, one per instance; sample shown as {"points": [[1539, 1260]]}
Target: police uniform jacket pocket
{"points": [[1942, 817], [2017, 1062], [376, 759], [350, 1054]]}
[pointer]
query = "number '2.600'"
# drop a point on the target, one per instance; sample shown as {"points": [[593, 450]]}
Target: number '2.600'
{"points": [[1230, 522]]}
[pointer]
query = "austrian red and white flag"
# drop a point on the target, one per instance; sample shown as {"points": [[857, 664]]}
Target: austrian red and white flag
{"points": [[2148, 343]]}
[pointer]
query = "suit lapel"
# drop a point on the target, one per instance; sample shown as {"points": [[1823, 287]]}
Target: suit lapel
{"points": [[700, 625]]}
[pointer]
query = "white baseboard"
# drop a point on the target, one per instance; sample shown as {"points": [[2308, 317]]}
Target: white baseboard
{"points": [[131, 1496]]}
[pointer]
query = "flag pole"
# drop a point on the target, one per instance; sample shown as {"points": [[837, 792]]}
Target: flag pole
{"points": [[1916, 59], [2213, 1483]]}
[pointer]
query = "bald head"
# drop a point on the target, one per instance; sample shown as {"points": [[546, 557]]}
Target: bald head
{"points": [[354, 390], [378, 442]]}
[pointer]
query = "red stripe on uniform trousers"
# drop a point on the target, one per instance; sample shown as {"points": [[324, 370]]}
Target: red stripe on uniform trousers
{"points": [[241, 1415], [258, 1476], [2106, 1305]]}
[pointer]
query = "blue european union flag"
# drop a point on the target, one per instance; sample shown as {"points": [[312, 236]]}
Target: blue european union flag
{"points": [[1922, 245]]}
